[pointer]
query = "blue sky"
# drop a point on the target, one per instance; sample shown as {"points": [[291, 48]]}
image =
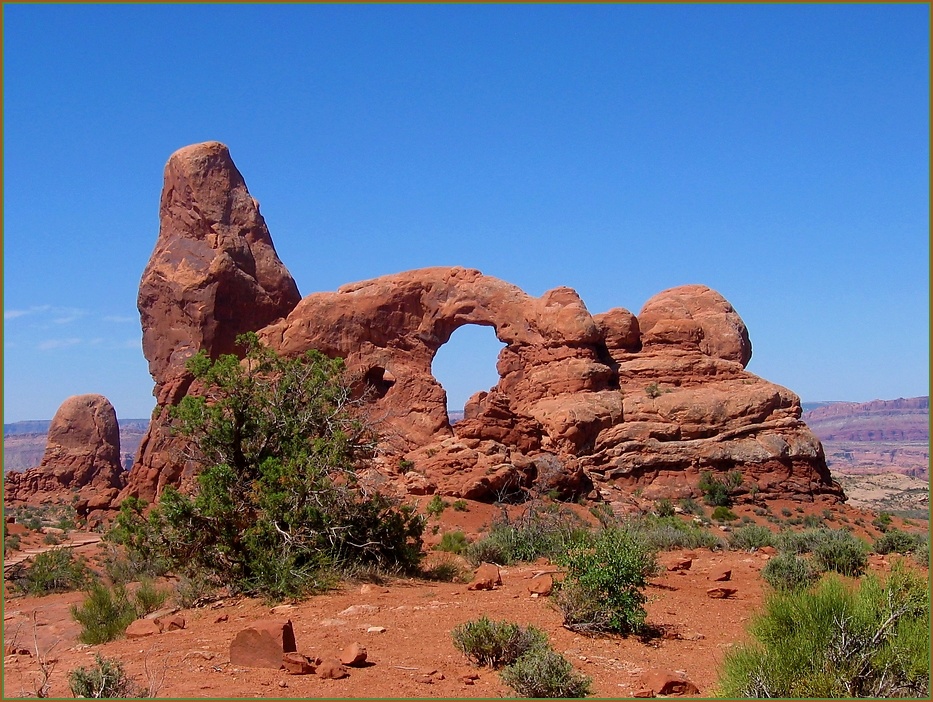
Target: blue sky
{"points": [[778, 154]]}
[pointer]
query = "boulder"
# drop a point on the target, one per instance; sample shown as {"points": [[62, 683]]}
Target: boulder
{"points": [[541, 585], [331, 669], [721, 575], [666, 682], [486, 577], [262, 644], [82, 455], [143, 627], [353, 655], [721, 593], [295, 663]]}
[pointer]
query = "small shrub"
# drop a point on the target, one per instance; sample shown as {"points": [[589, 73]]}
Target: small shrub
{"points": [[922, 554], [460, 506], [812, 521], [538, 532], [444, 571], [495, 643], [882, 522], [105, 680], [404, 466], [896, 541], [691, 506], [436, 506], [665, 508], [56, 570], [452, 542], [724, 514], [716, 492], [837, 641], [798, 541], [52, 539], [840, 551], [653, 390], [148, 598], [751, 536], [786, 512], [602, 590], [788, 572], [668, 533], [104, 614], [190, 590], [11, 542], [544, 673]]}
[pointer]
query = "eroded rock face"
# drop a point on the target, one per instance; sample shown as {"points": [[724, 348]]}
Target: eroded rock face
{"points": [[214, 274], [613, 401], [82, 454]]}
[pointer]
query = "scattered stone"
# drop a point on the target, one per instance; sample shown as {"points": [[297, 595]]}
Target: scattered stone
{"points": [[297, 664], [333, 622], [681, 564], [369, 589], [665, 682], [143, 627], [353, 655], [162, 613], [262, 644], [376, 630], [331, 669], [721, 593], [722, 575], [221, 618], [175, 623], [358, 609], [486, 577], [643, 693], [541, 585]]}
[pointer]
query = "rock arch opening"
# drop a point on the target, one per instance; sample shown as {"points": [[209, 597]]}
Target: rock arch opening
{"points": [[466, 364]]}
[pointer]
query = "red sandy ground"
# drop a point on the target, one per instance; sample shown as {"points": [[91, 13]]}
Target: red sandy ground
{"points": [[415, 656]]}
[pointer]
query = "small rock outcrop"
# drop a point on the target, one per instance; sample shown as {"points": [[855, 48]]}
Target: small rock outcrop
{"points": [[82, 455], [600, 405]]}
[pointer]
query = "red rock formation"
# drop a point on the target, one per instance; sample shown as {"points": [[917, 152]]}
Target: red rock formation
{"points": [[214, 274], [614, 401], [82, 454]]}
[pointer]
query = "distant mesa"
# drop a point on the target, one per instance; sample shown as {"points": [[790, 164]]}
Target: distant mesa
{"points": [[597, 405], [878, 420], [82, 455]]}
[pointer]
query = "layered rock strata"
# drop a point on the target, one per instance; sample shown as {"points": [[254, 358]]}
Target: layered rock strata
{"points": [[613, 401]]}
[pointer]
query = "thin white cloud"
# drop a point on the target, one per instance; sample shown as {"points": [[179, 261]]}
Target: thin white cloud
{"points": [[52, 344], [13, 314], [120, 319]]}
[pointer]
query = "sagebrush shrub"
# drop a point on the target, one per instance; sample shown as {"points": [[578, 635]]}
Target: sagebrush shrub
{"points": [[667, 533], [837, 641], [751, 536], [539, 531], [602, 591], [840, 551], [105, 680], [787, 571], [896, 541], [495, 643], [544, 673]]}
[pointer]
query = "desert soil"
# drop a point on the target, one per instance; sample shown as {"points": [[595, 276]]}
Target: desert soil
{"points": [[414, 656]]}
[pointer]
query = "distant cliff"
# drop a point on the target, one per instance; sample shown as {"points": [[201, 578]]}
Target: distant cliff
{"points": [[878, 420]]}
